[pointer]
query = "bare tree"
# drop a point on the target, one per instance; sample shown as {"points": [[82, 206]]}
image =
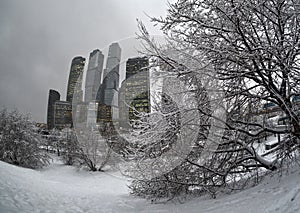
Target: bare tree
{"points": [[93, 149], [252, 45], [69, 146], [251, 49]]}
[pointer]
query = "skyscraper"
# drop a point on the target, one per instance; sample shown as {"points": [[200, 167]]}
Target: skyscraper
{"points": [[93, 75], [112, 76], [75, 79], [53, 96], [135, 89], [113, 59], [108, 91]]}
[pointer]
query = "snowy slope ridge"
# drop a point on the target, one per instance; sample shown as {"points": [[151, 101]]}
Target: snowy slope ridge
{"points": [[60, 188]]}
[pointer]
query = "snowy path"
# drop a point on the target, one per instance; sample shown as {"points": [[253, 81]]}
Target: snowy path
{"points": [[60, 188]]}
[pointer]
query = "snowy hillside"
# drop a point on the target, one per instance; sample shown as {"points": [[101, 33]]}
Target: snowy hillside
{"points": [[60, 188]]}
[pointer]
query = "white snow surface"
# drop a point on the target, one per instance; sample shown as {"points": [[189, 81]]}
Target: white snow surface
{"points": [[61, 188]]}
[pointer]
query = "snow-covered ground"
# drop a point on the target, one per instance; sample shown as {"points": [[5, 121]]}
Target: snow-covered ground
{"points": [[60, 188]]}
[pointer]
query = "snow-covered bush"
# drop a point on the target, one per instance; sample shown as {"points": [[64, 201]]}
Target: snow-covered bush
{"points": [[20, 141]]}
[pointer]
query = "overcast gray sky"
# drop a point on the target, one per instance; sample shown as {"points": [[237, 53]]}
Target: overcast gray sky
{"points": [[39, 38]]}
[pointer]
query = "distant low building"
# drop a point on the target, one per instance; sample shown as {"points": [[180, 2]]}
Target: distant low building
{"points": [[270, 109], [42, 126], [296, 99]]}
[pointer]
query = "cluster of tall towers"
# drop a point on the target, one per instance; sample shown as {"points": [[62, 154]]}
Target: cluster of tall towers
{"points": [[104, 100]]}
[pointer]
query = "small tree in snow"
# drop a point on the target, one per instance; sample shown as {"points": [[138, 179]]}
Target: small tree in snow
{"points": [[54, 141], [93, 149], [70, 150], [20, 141]]}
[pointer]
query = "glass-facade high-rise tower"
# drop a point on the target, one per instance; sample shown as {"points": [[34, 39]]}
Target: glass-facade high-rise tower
{"points": [[93, 75], [75, 79], [112, 76], [135, 90], [63, 115], [113, 59], [108, 91], [53, 96]]}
